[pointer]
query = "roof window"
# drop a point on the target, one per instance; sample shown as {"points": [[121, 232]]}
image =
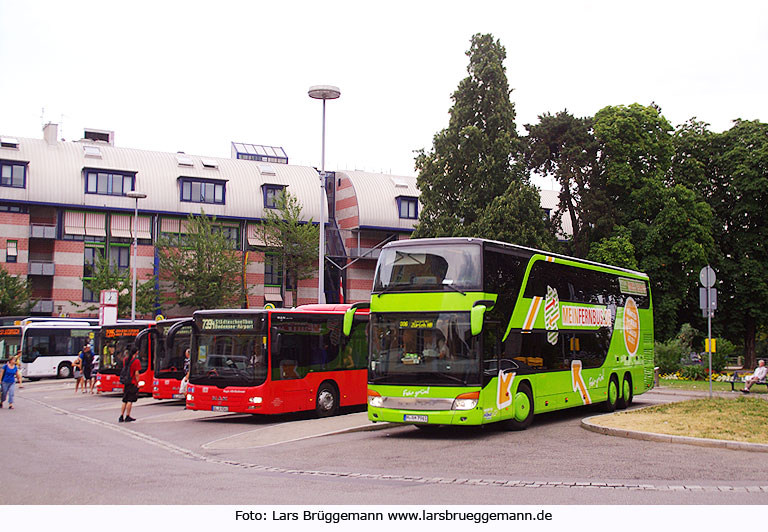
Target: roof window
{"points": [[9, 142], [92, 151], [183, 160]]}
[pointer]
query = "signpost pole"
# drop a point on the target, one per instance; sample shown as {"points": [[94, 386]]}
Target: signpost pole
{"points": [[709, 335], [708, 306]]}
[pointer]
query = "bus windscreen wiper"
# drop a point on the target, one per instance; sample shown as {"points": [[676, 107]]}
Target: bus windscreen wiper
{"points": [[453, 378], [449, 284]]}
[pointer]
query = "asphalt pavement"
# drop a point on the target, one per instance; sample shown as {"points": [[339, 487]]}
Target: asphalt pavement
{"points": [[69, 449]]}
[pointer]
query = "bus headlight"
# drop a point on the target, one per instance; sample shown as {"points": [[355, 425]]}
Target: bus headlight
{"points": [[375, 399], [466, 401], [190, 397], [141, 383], [255, 400]]}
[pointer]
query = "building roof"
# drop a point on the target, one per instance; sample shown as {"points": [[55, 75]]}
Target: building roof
{"points": [[55, 176], [377, 198], [550, 199]]}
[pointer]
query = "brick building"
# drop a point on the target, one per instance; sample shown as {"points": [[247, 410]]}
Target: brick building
{"points": [[64, 202]]}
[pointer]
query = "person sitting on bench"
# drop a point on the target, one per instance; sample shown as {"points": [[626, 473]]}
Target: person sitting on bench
{"points": [[759, 375]]}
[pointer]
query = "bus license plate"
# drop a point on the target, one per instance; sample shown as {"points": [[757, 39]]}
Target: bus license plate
{"points": [[416, 419], [221, 409], [177, 396]]}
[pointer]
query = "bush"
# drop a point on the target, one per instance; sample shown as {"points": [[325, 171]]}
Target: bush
{"points": [[719, 361], [694, 373], [667, 356]]}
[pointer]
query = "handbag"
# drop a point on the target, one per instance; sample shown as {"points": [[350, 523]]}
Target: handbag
{"points": [[183, 385]]}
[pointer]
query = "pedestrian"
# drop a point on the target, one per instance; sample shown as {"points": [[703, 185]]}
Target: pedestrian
{"points": [[9, 375], [131, 388], [185, 380], [77, 367], [758, 376], [86, 357]]}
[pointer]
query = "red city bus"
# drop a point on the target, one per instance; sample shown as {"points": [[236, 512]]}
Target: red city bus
{"points": [[169, 340], [113, 340], [278, 360]]}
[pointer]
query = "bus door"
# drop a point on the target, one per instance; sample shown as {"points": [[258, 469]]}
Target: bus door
{"points": [[304, 346]]}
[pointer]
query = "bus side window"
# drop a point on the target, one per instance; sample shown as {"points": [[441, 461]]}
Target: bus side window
{"points": [[491, 349]]}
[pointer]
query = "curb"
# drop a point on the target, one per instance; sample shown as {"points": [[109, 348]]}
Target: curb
{"points": [[668, 438]]}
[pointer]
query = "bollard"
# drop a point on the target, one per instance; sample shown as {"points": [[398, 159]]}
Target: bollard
{"points": [[656, 376]]}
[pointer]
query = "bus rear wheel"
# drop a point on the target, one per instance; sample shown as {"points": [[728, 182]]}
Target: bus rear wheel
{"points": [[613, 395], [626, 393], [522, 407], [327, 401], [64, 371]]}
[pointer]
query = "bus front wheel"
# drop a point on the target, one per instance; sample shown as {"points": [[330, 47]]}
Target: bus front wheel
{"points": [[522, 407], [327, 402], [64, 371], [613, 395]]}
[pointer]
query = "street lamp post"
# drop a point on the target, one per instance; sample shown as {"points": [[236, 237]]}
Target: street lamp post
{"points": [[322, 92], [137, 196]]}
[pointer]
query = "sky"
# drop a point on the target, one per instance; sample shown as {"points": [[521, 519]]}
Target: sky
{"points": [[194, 76]]}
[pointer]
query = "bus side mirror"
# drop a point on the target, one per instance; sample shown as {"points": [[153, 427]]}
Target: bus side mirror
{"points": [[477, 313], [476, 319], [349, 316]]}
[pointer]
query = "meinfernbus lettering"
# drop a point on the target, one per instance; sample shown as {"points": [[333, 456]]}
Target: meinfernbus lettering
{"points": [[466, 331]]}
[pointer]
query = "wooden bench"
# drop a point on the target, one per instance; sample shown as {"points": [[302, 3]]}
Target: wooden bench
{"points": [[739, 378]]}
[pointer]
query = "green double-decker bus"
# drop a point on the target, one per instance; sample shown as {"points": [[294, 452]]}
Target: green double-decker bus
{"points": [[466, 331]]}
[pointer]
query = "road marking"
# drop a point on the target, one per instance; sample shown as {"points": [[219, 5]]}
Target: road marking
{"points": [[525, 484]]}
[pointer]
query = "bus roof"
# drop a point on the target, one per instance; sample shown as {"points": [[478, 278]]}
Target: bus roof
{"points": [[60, 324], [315, 307], [522, 249]]}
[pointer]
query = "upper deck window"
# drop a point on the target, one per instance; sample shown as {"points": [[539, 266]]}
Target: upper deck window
{"points": [[202, 191], [109, 182], [434, 267], [408, 207], [13, 174]]}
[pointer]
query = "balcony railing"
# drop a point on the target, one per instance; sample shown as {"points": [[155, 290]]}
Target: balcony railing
{"points": [[42, 231], [43, 306], [39, 267], [364, 253]]}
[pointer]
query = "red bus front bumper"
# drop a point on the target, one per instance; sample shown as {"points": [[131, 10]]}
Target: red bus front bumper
{"points": [[167, 389], [108, 383]]}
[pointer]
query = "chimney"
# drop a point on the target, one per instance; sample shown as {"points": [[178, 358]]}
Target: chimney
{"points": [[51, 133]]}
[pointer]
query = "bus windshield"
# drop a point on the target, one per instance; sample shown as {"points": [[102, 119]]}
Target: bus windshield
{"points": [[423, 349], [229, 358], [169, 362], [10, 342], [114, 341], [436, 267]]}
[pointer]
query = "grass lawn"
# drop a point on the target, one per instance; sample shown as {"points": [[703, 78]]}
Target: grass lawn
{"points": [[740, 419], [704, 385]]}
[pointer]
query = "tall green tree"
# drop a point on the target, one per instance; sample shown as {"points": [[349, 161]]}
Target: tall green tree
{"points": [[107, 276], [739, 185], [564, 147], [15, 294], [669, 225], [292, 239], [203, 268], [472, 163]]}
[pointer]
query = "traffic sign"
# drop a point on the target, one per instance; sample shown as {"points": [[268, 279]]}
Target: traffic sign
{"points": [[705, 293], [707, 276]]}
